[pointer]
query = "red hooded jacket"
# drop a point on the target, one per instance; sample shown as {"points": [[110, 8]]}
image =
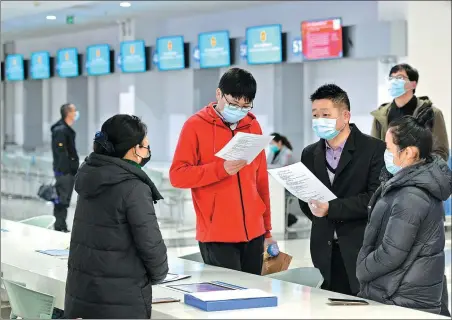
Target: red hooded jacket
{"points": [[228, 208]]}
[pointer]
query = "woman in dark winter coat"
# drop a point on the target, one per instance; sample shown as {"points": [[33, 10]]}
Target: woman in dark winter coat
{"points": [[402, 258], [117, 252]]}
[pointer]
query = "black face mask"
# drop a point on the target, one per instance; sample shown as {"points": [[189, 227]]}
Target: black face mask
{"points": [[144, 161]]}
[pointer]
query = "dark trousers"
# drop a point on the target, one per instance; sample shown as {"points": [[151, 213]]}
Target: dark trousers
{"points": [[64, 186], [445, 300], [339, 279], [242, 256]]}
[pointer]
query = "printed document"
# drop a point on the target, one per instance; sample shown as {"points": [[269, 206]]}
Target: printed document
{"points": [[232, 295], [244, 146], [302, 183]]}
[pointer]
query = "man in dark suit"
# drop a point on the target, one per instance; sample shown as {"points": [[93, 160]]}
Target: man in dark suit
{"points": [[349, 163]]}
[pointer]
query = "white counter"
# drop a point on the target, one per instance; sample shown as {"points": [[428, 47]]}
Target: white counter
{"points": [[20, 262]]}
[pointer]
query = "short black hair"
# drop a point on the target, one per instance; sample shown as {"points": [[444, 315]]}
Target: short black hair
{"points": [[118, 134], [412, 73], [239, 83], [65, 109], [415, 131], [332, 92]]}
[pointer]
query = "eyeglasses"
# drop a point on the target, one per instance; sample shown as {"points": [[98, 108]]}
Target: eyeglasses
{"points": [[146, 147], [237, 107], [399, 77]]}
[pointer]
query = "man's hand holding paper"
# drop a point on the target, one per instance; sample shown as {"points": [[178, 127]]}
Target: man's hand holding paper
{"points": [[319, 209], [234, 166]]}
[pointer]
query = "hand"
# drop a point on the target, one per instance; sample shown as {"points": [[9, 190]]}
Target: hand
{"points": [[319, 209], [234, 166], [267, 242]]}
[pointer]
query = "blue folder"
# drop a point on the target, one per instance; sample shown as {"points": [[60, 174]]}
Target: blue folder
{"points": [[235, 304], [55, 252]]}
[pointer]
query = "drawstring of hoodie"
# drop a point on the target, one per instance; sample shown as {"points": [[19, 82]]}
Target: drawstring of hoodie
{"points": [[214, 136]]}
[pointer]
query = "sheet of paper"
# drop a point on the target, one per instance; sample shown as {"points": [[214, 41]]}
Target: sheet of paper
{"points": [[244, 146], [170, 277], [232, 295], [55, 252], [302, 183]]}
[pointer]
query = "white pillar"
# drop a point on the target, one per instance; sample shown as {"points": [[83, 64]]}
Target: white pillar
{"points": [[429, 51], [127, 81]]}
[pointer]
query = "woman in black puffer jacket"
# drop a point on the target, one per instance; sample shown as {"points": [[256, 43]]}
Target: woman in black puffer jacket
{"points": [[117, 252], [402, 258]]}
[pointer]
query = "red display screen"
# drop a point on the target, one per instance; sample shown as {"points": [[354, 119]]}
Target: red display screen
{"points": [[322, 39]]}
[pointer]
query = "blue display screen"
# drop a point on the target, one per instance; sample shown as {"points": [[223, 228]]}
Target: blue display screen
{"points": [[67, 63], [214, 49], [264, 44], [171, 55], [98, 60], [14, 67], [133, 56], [40, 65]]}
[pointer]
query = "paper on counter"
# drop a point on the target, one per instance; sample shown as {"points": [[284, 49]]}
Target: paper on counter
{"points": [[232, 295], [244, 146], [170, 277], [302, 183]]}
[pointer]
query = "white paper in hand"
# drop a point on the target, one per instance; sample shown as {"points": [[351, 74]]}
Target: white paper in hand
{"points": [[244, 146], [302, 183]]}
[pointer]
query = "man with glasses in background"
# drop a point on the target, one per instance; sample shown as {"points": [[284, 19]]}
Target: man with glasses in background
{"points": [[403, 80], [231, 198]]}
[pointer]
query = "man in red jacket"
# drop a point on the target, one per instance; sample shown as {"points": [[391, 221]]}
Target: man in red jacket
{"points": [[231, 198]]}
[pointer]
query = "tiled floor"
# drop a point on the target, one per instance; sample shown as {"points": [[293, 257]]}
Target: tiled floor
{"points": [[183, 243]]}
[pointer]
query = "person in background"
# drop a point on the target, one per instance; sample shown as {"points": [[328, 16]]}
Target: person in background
{"points": [[403, 80], [280, 152], [280, 155], [402, 259], [65, 163], [349, 163], [231, 198], [116, 252]]}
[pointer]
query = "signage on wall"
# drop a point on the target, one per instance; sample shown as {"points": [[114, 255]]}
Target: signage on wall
{"points": [[243, 50], [214, 49], [67, 63], [133, 57], [98, 60], [196, 54], [14, 67], [297, 46], [40, 65], [171, 53], [322, 39], [264, 44]]}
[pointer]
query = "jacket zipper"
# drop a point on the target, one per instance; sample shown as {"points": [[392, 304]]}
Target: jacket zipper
{"points": [[241, 199]]}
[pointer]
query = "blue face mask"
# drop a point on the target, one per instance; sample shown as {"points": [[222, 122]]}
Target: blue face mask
{"points": [[397, 88], [77, 115], [389, 163], [233, 114], [274, 148], [325, 128]]}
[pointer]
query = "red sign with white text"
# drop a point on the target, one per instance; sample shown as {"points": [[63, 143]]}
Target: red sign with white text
{"points": [[322, 39]]}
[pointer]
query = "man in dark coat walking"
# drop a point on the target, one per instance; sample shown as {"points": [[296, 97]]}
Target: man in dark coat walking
{"points": [[65, 163]]}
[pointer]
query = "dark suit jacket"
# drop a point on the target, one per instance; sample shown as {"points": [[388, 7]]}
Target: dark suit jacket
{"points": [[356, 179]]}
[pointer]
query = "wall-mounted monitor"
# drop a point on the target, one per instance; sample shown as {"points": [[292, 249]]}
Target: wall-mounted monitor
{"points": [[171, 53], [133, 56], [322, 39], [14, 67], [98, 60], [68, 63], [214, 49], [264, 44], [40, 67]]}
